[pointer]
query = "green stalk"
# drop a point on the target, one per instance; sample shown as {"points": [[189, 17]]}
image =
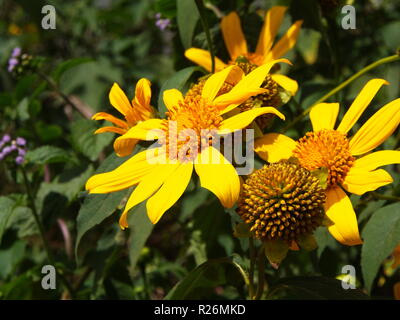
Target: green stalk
{"points": [[253, 259], [41, 230], [344, 84], [261, 272], [202, 12]]}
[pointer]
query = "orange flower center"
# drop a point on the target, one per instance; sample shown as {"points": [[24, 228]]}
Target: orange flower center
{"points": [[325, 149], [191, 125]]}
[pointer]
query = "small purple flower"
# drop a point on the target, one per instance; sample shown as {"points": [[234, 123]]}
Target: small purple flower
{"points": [[21, 152], [13, 147], [162, 24], [6, 138], [20, 141], [19, 160], [16, 52], [1, 155]]}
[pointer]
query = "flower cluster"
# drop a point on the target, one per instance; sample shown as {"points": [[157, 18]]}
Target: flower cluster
{"points": [[15, 148], [304, 183], [162, 24]]}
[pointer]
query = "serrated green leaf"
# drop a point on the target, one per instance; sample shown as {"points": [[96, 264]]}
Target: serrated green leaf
{"points": [[97, 207], [187, 18], [381, 235], [85, 141], [47, 154]]}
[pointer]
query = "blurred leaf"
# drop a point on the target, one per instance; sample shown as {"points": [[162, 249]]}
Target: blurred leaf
{"points": [[47, 154], [49, 132], [177, 81], [381, 235], [85, 141], [140, 229], [67, 65], [167, 8], [6, 209], [10, 258], [313, 288], [23, 109], [210, 274], [187, 19], [97, 207]]}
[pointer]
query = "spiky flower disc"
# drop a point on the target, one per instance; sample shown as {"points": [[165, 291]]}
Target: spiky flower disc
{"points": [[282, 201]]}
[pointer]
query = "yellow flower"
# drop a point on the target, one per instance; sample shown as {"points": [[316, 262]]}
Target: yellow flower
{"points": [[139, 109], [265, 52], [330, 148], [163, 173]]}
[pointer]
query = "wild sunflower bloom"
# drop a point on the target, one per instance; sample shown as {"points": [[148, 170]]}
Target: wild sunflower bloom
{"points": [[265, 51], [185, 141], [139, 109], [346, 160], [282, 201]]}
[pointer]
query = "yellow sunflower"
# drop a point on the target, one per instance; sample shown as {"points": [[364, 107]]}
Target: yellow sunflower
{"points": [[265, 52], [163, 173], [139, 109], [346, 159]]}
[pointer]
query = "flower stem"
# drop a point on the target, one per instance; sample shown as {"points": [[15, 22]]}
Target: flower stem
{"points": [[344, 84], [261, 271], [253, 259], [201, 8], [41, 230]]}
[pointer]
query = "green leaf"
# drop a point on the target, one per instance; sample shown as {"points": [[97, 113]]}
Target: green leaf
{"points": [[98, 207], [210, 274], [276, 251], [166, 7], [381, 235], [47, 154], [23, 109], [140, 229], [177, 81], [6, 209], [67, 65], [188, 16], [313, 288], [85, 141]]}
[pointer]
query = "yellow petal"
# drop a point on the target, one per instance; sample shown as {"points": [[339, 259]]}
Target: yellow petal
{"points": [[143, 93], [286, 43], [360, 104], [171, 98], [272, 22], [119, 100], [124, 148], [273, 147], [203, 58], [243, 119], [361, 181], [286, 83], [340, 211], [377, 129], [247, 87], [111, 129], [218, 175], [170, 192], [147, 187], [146, 130], [323, 116], [216, 81], [126, 175], [111, 118], [377, 159], [233, 35]]}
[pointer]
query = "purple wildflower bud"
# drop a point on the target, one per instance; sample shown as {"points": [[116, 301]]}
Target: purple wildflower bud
{"points": [[21, 152], [6, 138], [19, 160], [7, 150], [158, 16], [16, 52], [13, 147], [20, 141]]}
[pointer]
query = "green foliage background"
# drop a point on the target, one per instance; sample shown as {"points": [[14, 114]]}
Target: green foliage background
{"points": [[191, 253]]}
